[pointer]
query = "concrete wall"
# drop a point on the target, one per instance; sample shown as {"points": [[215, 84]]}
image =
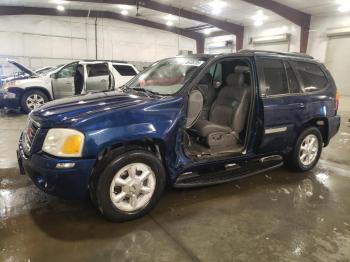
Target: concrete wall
{"points": [[39, 41]]}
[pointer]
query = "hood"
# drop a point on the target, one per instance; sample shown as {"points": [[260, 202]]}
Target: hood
{"points": [[65, 111], [22, 68]]}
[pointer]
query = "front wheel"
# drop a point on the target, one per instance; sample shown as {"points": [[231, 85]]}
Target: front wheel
{"points": [[130, 185], [32, 100], [307, 150]]}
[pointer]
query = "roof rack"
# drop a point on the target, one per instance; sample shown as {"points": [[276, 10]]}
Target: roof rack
{"points": [[293, 54], [104, 60]]}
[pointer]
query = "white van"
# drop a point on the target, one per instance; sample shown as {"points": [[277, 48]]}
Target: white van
{"points": [[32, 90]]}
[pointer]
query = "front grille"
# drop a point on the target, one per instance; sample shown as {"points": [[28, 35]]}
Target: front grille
{"points": [[29, 135]]}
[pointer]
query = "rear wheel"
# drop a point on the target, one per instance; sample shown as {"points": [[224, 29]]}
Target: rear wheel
{"points": [[33, 99], [130, 185], [307, 150]]}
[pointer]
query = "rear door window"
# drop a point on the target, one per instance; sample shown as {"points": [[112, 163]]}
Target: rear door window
{"points": [[312, 77], [97, 70], [125, 70], [275, 77]]}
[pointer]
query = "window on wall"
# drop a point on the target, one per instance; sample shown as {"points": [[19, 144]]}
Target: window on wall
{"points": [[292, 80], [311, 75], [275, 77]]}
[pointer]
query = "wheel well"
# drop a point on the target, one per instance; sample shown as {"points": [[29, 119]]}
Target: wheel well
{"points": [[321, 124], [152, 145], [41, 89]]}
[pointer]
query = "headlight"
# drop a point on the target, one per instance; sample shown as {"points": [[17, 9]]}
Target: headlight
{"points": [[7, 85], [64, 142]]}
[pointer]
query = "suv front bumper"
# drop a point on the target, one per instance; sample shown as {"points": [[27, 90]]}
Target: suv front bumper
{"points": [[70, 183]]}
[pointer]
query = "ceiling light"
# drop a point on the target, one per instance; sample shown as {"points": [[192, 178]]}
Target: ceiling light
{"points": [[60, 8], [344, 8], [258, 22], [216, 11], [259, 16], [217, 4], [125, 7], [207, 31], [169, 23], [170, 17], [124, 12]]}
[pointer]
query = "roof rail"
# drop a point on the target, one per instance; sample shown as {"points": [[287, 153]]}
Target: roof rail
{"points": [[103, 60], [293, 54]]}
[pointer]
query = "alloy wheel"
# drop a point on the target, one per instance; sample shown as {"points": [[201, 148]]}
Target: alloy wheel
{"points": [[308, 150], [34, 101], [132, 187]]}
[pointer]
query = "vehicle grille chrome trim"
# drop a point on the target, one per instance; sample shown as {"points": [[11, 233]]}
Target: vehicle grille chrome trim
{"points": [[29, 135]]}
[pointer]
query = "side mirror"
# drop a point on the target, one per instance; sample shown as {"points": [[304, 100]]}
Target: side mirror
{"points": [[217, 84]]}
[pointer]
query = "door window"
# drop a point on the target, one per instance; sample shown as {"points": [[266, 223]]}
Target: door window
{"points": [[312, 77], [97, 70], [275, 77], [68, 71], [292, 80], [125, 70]]}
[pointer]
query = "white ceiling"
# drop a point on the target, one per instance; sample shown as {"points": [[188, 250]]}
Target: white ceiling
{"points": [[235, 11]]}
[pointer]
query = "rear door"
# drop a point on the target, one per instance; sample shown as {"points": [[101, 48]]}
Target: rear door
{"points": [[63, 82], [98, 77], [124, 73], [283, 106]]}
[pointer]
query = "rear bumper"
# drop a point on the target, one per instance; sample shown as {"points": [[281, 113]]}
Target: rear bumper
{"points": [[11, 100], [70, 183]]}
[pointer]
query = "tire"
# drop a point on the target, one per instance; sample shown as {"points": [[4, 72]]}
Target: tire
{"points": [[297, 160], [38, 98], [128, 198]]}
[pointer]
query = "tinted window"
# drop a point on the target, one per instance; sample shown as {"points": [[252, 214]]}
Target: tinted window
{"points": [[68, 71], [311, 75], [97, 70], [125, 70], [292, 80], [275, 77], [216, 72]]}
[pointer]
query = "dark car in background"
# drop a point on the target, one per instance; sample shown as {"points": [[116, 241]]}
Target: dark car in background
{"points": [[185, 121]]}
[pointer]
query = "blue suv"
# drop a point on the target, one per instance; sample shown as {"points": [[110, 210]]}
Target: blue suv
{"points": [[185, 121]]}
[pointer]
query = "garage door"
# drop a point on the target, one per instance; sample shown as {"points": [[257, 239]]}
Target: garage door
{"points": [[277, 47], [338, 62]]}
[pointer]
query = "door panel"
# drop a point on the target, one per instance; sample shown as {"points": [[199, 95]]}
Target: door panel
{"points": [[63, 83], [98, 77]]}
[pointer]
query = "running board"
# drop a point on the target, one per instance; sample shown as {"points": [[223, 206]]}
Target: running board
{"points": [[190, 180]]}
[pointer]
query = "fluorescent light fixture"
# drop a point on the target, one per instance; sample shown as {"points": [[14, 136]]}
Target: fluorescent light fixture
{"points": [[58, 2], [124, 12], [60, 8], [169, 23], [259, 18]]}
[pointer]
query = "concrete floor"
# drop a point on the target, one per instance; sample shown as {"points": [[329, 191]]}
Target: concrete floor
{"points": [[274, 216]]}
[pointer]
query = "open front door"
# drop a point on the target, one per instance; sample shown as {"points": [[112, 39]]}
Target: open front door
{"points": [[63, 81]]}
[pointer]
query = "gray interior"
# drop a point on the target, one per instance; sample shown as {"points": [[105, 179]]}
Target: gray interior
{"points": [[222, 116]]}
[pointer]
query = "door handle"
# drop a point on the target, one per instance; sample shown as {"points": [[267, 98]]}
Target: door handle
{"points": [[301, 106], [103, 80]]}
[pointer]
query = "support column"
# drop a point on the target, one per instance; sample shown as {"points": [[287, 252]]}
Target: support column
{"points": [[200, 45]]}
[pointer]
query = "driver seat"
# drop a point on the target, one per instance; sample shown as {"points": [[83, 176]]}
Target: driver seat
{"points": [[227, 115]]}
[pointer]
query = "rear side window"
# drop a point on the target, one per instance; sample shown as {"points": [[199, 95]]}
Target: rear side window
{"points": [[97, 70], [311, 76], [292, 80], [125, 70], [275, 77]]}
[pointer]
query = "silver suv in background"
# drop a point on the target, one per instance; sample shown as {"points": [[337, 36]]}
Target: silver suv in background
{"points": [[79, 77]]}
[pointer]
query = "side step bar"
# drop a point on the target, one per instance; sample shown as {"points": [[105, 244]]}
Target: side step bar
{"points": [[232, 173]]}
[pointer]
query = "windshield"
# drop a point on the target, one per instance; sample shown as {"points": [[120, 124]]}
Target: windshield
{"points": [[168, 76]]}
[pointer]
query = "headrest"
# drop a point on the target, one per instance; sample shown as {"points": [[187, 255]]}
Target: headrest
{"points": [[242, 69], [206, 80], [235, 79]]}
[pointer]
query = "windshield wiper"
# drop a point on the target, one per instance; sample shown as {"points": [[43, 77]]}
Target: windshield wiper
{"points": [[147, 91]]}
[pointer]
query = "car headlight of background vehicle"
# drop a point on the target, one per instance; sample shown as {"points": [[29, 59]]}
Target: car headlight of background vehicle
{"points": [[64, 142]]}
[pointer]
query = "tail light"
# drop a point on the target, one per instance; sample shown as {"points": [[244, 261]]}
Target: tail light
{"points": [[337, 96]]}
